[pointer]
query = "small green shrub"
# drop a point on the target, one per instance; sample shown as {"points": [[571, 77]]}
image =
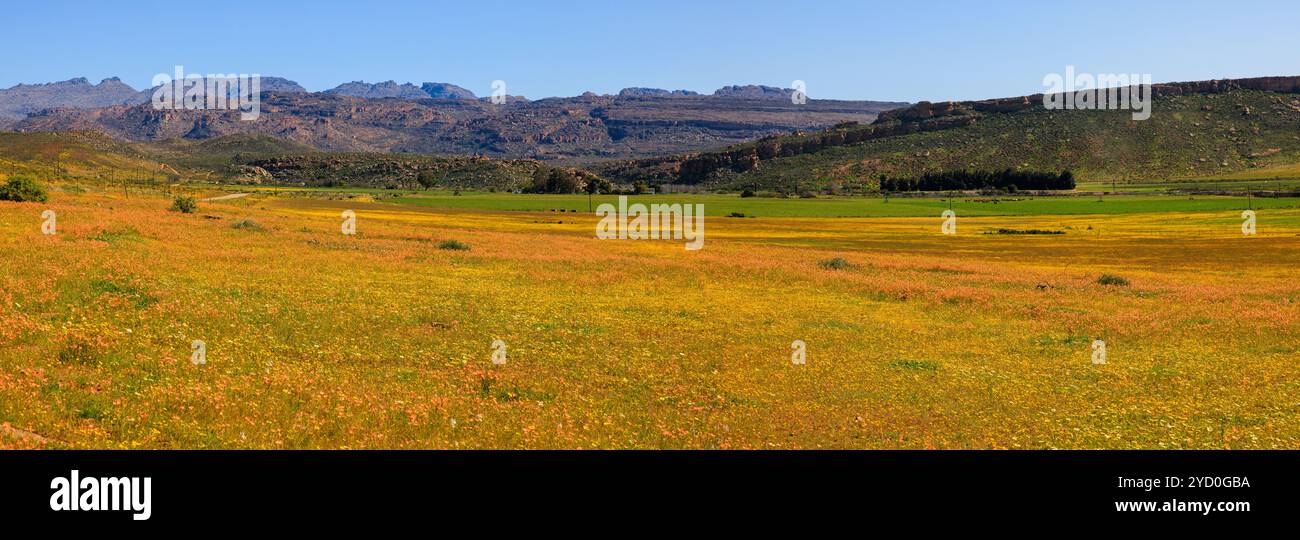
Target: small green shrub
{"points": [[23, 188], [246, 224], [837, 263], [747, 194], [184, 204], [1111, 279], [454, 245]]}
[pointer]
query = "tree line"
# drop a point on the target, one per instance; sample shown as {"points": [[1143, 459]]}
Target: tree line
{"points": [[1005, 179]]}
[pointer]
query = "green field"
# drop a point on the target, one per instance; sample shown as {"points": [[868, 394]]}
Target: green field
{"points": [[724, 205]]}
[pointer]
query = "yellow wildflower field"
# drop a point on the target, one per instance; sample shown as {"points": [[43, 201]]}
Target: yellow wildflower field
{"points": [[316, 339]]}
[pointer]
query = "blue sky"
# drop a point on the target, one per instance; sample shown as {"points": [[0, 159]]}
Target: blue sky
{"points": [[894, 50]]}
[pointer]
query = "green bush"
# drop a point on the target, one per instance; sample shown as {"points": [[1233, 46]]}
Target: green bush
{"points": [[454, 245], [246, 224], [1111, 279], [23, 188], [184, 204], [837, 263], [426, 179]]}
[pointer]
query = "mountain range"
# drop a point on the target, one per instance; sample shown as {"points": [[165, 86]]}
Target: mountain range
{"points": [[442, 118]]}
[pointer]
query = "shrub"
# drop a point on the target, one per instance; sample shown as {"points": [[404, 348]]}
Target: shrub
{"points": [[426, 179], [736, 214], [184, 204], [747, 193], [246, 224], [22, 188], [837, 263], [1111, 279], [454, 245]]}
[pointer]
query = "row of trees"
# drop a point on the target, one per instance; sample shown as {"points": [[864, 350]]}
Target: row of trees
{"points": [[1006, 179], [567, 181]]}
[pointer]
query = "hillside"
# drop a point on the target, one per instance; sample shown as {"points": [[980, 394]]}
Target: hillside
{"points": [[249, 159], [1197, 130]]}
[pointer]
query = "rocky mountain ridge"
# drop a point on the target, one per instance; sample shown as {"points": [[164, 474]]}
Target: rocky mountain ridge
{"points": [[440, 118]]}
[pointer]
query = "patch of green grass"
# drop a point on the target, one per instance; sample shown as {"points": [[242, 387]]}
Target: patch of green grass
{"points": [[1063, 340], [136, 295], [717, 205], [80, 353], [116, 235], [453, 245], [92, 410], [915, 365]]}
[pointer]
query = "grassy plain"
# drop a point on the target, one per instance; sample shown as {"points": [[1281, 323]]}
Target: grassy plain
{"points": [[838, 207], [382, 340]]}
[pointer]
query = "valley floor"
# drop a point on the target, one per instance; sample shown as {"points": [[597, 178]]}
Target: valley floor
{"points": [[315, 339]]}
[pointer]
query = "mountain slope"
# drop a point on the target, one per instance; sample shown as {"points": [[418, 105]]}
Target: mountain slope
{"points": [[21, 100], [248, 159], [1201, 129]]}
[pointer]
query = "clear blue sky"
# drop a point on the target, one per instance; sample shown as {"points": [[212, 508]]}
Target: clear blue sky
{"points": [[895, 50]]}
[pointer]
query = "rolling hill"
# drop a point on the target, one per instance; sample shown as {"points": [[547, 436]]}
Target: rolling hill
{"points": [[1246, 128], [249, 159]]}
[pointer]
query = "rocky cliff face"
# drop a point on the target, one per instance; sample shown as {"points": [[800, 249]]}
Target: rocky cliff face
{"points": [[386, 89], [655, 92], [446, 91], [25, 99], [754, 91]]}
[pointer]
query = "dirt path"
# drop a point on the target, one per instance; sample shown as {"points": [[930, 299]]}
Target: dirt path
{"points": [[20, 434]]}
